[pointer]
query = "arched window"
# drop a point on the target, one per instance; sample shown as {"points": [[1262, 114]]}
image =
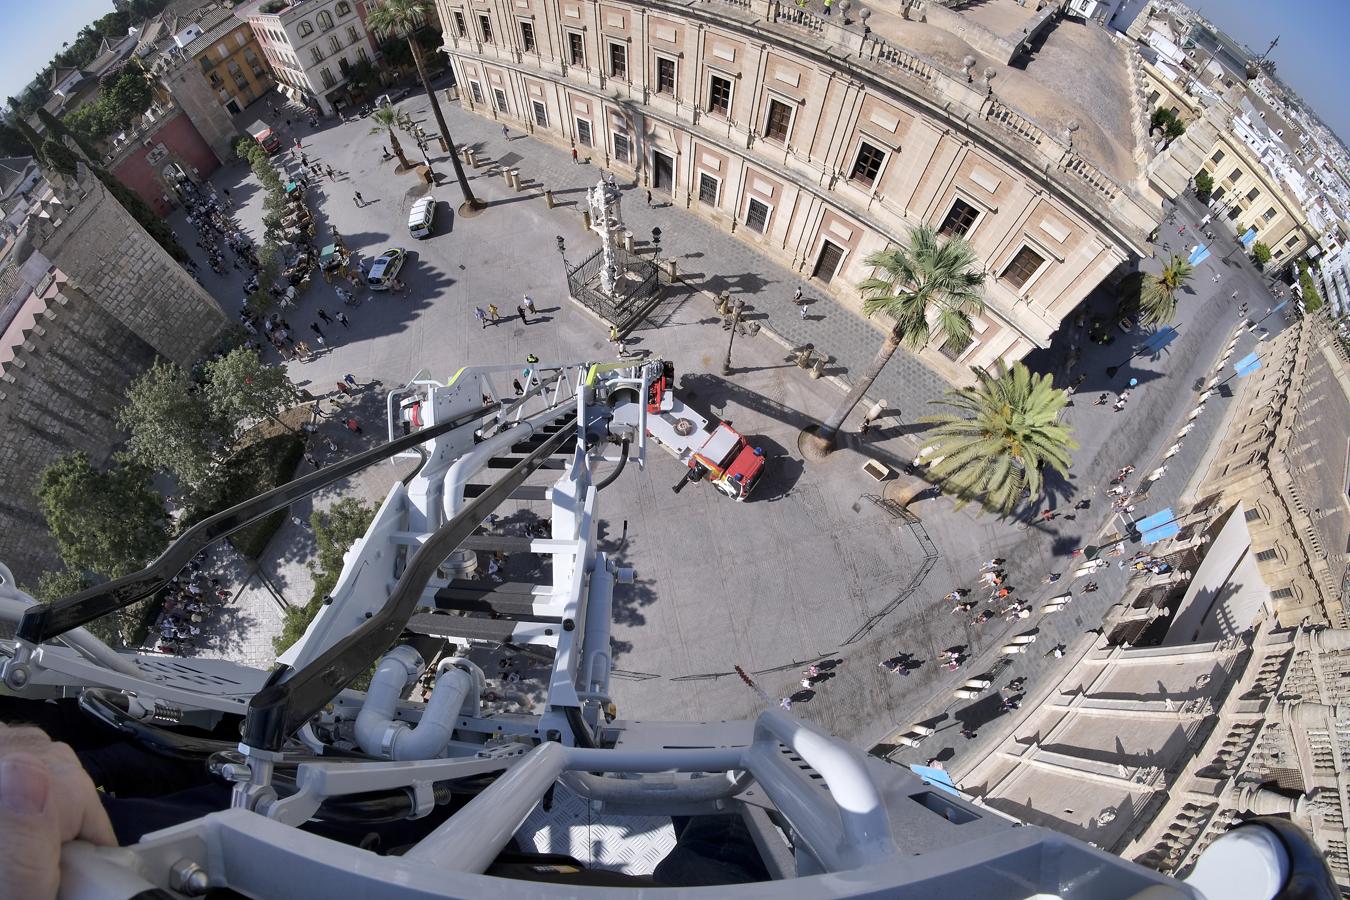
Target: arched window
{"points": [[306, 29], [325, 20], [343, 8]]}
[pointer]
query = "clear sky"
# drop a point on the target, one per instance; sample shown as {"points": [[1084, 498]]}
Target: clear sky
{"points": [[33, 33], [1311, 52]]}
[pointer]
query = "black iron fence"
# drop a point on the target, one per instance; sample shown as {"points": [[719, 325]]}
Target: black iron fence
{"points": [[638, 279]]}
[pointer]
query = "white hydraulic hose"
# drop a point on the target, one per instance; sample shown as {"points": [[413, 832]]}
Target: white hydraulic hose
{"points": [[467, 465], [380, 734]]}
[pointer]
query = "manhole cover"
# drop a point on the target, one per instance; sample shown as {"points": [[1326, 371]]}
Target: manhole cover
{"points": [[684, 427]]}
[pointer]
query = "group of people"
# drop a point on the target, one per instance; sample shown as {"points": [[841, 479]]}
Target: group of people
{"points": [[277, 332], [188, 600], [206, 214]]}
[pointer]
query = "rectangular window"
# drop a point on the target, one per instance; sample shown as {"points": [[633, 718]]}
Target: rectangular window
{"points": [[756, 216], [1217, 157], [1292, 242], [527, 37], [618, 61], [719, 95], [621, 147], [223, 50], [352, 34], [665, 76], [867, 165], [1267, 555], [1281, 593], [707, 189], [334, 43], [1269, 214], [1251, 515], [1022, 267], [1253, 194], [1235, 175], [584, 133], [239, 39], [476, 92], [780, 120], [461, 28], [344, 66], [327, 77], [499, 98], [576, 50], [959, 219], [361, 54], [485, 24], [540, 113], [953, 348], [316, 53]]}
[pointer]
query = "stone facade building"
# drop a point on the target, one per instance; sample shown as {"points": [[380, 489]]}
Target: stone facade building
{"points": [[311, 44], [215, 69], [87, 300], [821, 139]]}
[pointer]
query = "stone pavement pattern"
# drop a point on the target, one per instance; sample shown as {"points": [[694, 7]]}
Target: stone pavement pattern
{"points": [[808, 565]]}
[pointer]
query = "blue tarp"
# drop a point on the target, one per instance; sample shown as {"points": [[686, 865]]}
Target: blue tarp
{"points": [[1199, 255], [1248, 237], [1160, 339]]}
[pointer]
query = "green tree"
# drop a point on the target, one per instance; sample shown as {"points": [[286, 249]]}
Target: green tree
{"points": [[242, 389], [1158, 299], [172, 427], [109, 523], [1204, 185], [126, 96], [1261, 253], [1005, 430], [334, 532], [1170, 123], [931, 278], [1312, 299], [403, 18], [390, 120], [12, 141]]}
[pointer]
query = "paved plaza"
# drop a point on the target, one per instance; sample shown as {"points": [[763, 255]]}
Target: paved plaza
{"points": [[812, 569]]}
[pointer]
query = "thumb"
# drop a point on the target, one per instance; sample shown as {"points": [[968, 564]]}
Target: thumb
{"points": [[30, 853]]}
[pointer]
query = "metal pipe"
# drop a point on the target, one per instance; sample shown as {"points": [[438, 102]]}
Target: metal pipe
{"points": [[462, 469], [91, 648], [471, 840], [380, 734]]}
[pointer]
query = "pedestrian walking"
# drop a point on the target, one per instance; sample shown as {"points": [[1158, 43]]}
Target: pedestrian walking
{"points": [[614, 334], [521, 311], [353, 426], [360, 201], [327, 319], [480, 315], [575, 159], [515, 385], [528, 303], [828, 4], [797, 295], [649, 199], [314, 327], [342, 320], [493, 313], [506, 132], [332, 176], [350, 379], [1048, 515]]}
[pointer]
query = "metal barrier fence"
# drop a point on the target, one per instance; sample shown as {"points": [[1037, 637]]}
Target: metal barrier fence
{"points": [[640, 280]]}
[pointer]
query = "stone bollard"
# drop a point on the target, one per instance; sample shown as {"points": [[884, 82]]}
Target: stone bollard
{"points": [[628, 241], [586, 219], [548, 198], [752, 329], [670, 269], [515, 180], [804, 358], [723, 303], [469, 158], [507, 176], [819, 368]]}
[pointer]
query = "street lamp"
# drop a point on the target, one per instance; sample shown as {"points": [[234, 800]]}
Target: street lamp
{"points": [[562, 251], [736, 309], [656, 241]]}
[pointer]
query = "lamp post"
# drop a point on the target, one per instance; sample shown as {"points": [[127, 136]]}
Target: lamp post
{"points": [[736, 309], [969, 65], [656, 243], [562, 251]]}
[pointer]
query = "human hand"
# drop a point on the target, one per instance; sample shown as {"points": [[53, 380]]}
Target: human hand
{"points": [[46, 800]]}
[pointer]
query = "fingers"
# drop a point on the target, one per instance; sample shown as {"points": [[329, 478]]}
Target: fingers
{"points": [[30, 854]]}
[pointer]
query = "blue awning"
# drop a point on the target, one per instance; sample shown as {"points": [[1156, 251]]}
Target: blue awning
{"points": [[1153, 521], [1248, 237], [1162, 532], [1160, 339], [936, 777], [1199, 255]]}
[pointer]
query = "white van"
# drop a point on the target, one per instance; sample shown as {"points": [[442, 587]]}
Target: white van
{"points": [[422, 217]]}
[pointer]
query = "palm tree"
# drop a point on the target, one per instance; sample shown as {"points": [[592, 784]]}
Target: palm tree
{"points": [[1158, 299], [403, 18], [388, 119], [1005, 431], [931, 278]]}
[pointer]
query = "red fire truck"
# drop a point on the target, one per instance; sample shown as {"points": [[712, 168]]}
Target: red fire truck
{"points": [[718, 454]]}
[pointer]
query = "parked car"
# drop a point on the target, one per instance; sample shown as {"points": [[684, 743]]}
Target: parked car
{"points": [[384, 269], [422, 217]]}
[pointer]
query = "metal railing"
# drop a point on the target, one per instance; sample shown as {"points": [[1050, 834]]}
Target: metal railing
{"points": [[633, 301]]}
